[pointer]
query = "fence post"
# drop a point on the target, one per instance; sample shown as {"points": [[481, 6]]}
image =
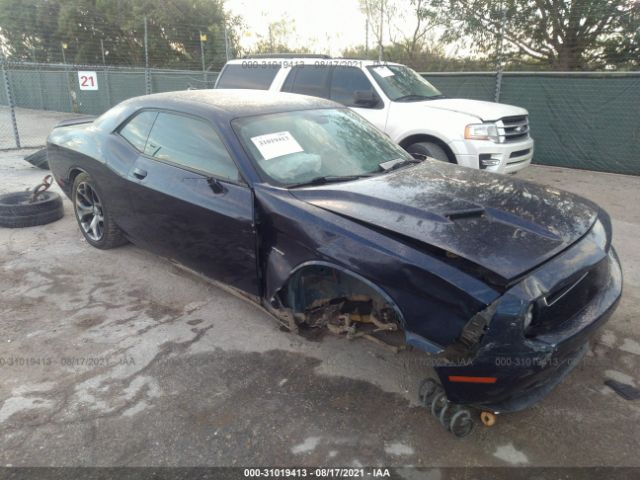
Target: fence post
{"points": [[34, 59], [203, 38], [106, 75], [147, 77], [499, 63], [41, 95], [67, 73], [226, 42], [12, 110]]}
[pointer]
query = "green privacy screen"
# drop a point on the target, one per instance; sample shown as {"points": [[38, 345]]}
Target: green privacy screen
{"points": [[588, 121], [55, 87], [578, 120], [478, 86]]}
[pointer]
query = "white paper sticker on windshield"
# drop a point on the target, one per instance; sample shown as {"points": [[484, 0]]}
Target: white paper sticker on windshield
{"points": [[277, 144], [384, 71]]}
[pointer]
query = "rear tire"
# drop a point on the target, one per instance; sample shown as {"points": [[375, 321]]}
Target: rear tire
{"points": [[94, 218], [421, 150]]}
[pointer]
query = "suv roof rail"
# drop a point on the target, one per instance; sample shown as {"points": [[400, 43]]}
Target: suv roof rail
{"points": [[287, 55]]}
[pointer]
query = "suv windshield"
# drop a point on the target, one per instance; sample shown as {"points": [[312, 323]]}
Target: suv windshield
{"points": [[294, 148], [401, 84]]}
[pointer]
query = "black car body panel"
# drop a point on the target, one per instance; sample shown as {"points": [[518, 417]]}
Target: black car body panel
{"points": [[504, 225], [415, 280], [461, 256]]}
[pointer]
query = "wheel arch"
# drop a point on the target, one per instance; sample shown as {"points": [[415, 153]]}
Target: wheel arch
{"points": [[309, 265], [423, 137], [73, 173]]}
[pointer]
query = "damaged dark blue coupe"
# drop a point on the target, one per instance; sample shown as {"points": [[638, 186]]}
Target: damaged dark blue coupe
{"points": [[305, 208]]}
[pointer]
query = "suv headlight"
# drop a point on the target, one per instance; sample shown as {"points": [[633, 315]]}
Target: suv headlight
{"points": [[482, 131]]}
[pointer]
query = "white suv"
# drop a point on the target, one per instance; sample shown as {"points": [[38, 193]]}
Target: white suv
{"points": [[485, 135]]}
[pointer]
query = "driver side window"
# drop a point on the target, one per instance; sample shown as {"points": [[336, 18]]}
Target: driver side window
{"points": [[345, 82], [188, 142]]}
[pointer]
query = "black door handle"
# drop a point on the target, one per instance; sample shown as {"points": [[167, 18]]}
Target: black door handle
{"points": [[139, 173]]}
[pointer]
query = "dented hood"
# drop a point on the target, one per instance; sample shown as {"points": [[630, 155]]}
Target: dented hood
{"points": [[504, 225]]}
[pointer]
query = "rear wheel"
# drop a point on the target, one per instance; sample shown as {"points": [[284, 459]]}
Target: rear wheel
{"points": [[93, 216], [421, 150]]}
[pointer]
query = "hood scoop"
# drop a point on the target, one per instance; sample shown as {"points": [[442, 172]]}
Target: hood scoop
{"points": [[459, 209]]}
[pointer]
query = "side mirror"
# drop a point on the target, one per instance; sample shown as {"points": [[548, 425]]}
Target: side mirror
{"points": [[365, 99], [216, 186]]}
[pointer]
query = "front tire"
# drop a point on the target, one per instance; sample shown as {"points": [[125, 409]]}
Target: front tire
{"points": [[93, 216], [421, 150]]}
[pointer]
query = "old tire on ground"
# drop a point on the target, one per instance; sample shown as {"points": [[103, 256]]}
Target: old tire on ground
{"points": [[17, 212], [94, 218], [421, 150]]}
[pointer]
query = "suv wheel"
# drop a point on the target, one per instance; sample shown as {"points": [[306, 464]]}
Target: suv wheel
{"points": [[421, 150]]}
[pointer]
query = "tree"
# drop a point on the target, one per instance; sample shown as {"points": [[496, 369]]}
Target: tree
{"points": [[410, 26], [398, 18], [278, 38], [624, 53], [559, 34], [379, 13], [38, 29], [430, 58], [414, 44]]}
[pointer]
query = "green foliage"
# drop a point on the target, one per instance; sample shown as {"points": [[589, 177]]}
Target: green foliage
{"points": [[550, 34], [278, 39], [426, 59], [36, 30]]}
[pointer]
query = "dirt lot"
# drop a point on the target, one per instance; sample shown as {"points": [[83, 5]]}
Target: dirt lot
{"points": [[119, 358]]}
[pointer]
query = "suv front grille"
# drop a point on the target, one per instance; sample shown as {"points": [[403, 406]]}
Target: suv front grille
{"points": [[512, 129]]}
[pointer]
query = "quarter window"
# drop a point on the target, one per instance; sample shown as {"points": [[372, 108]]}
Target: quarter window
{"points": [[137, 129], [191, 143], [258, 77], [345, 82]]}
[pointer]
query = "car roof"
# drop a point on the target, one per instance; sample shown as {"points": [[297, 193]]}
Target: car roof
{"points": [[227, 104], [318, 61]]}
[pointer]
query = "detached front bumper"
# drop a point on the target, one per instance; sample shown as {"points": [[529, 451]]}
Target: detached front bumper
{"points": [[507, 157], [516, 375]]}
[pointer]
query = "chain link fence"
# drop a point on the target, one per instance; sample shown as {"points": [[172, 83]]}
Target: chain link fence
{"points": [[36, 96], [578, 120], [586, 120]]}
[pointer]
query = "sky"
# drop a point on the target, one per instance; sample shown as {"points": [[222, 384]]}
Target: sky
{"points": [[326, 26]]}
